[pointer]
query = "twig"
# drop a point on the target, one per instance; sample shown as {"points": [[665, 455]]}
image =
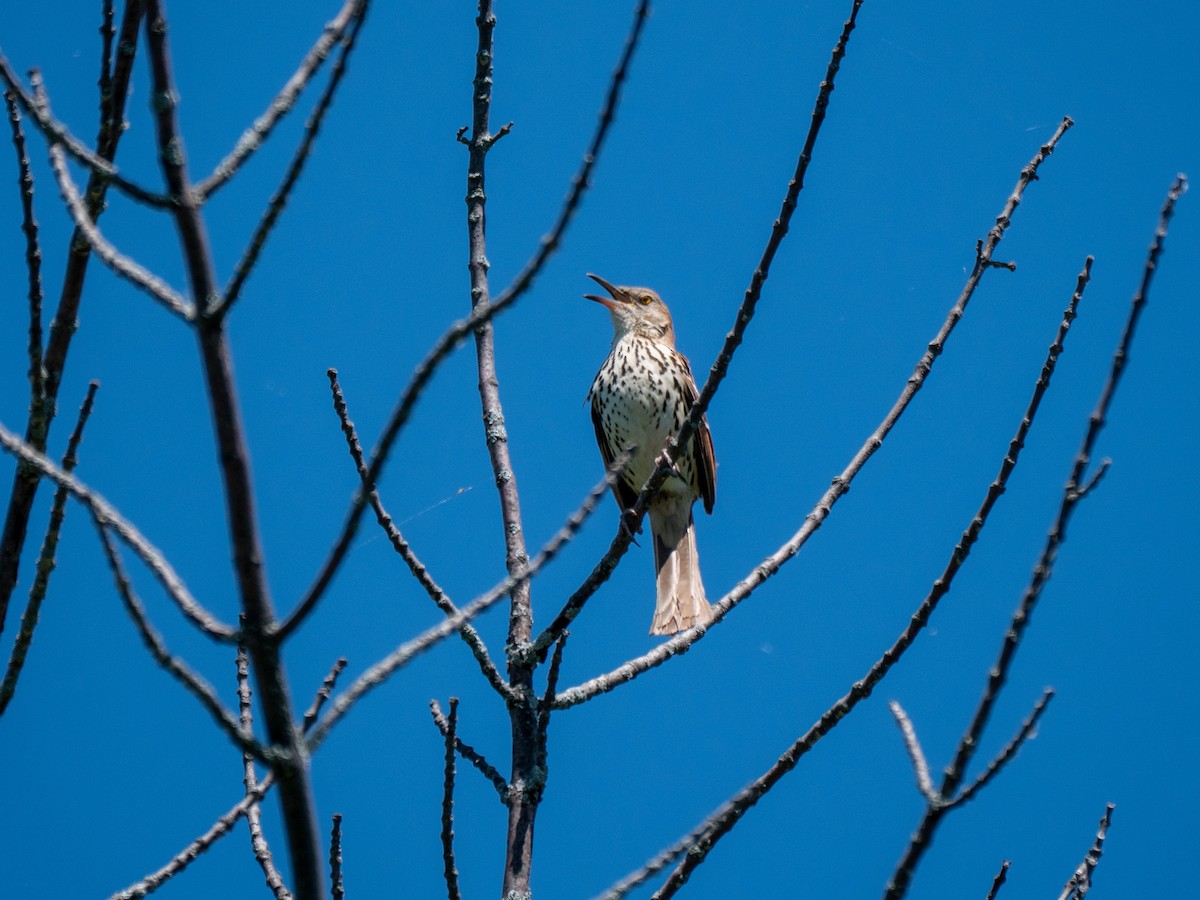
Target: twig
{"points": [[450, 870], [468, 633], [1072, 495], [1080, 883], [915, 753], [453, 336], [682, 642], [45, 563], [470, 754], [33, 254], [335, 859], [258, 842], [133, 272], [283, 102], [107, 516], [323, 694], [279, 199], [402, 655], [998, 881], [1010, 750], [173, 665]]}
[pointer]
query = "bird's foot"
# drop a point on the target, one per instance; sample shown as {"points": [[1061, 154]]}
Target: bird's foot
{"points": [[630, 525]]}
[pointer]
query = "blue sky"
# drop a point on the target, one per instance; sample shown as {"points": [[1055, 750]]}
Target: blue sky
{"points": [[111, 768]]}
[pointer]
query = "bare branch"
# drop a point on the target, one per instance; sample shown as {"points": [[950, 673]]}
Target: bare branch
{"points": [[258, 841], [326, 689], [468, 633], [335, 859], [279, 199], [131, 271], [449, 733], [1010, 750], [1080, 883], [998, 881], [108, 517], [915, 753], [351, 13], [469, 753], [45, 563], [683, 641], [33, 254]]}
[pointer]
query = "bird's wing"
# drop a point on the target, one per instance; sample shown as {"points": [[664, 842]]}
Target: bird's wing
{"points": [[704, 462]]}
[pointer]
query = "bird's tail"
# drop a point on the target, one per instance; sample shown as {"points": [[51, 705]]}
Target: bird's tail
{"points": [[681, 601]]}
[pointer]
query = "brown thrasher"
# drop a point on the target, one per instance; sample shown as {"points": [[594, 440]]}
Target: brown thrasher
{"points": [[640, 397]]}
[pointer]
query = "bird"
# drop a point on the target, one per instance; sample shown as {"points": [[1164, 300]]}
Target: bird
{"points": [[639, 399]]}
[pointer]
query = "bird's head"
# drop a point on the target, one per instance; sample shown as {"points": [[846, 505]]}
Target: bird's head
{"points": [[636, 310]]}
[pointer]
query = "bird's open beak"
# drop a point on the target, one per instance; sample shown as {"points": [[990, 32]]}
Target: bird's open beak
{"points": [[618, 296]]}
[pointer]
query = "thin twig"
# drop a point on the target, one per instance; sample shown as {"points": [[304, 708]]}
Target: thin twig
{"points": [[323, 694], [453, 336], [1010, 750], [283, 102], [998, 881], [470, 754], [450, 869], [33, 254], [279, 199], [1080, 882], [468, 633], [133, 272], [106, 515], [337, 888], [682, 642], [258, 841], [915, 753], [45, 563]]}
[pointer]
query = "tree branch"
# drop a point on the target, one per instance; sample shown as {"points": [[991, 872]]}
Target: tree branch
{"points": [[1080, 883]]}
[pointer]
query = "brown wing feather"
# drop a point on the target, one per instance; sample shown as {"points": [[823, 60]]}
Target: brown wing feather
{"points": [[704, 462], [626, 496]]}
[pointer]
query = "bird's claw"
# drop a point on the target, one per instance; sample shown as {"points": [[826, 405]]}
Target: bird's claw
{"points": [[630, 525]]}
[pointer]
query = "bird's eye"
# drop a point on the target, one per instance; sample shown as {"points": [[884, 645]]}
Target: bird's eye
{"points": [[645, 299]]}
